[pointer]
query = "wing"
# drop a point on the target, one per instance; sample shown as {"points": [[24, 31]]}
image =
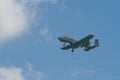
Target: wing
{"points": [[85, 41], [74, 45], [66, 39], [80, 43], [66, 47]]}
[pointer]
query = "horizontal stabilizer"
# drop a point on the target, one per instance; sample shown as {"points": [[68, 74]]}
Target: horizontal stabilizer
{"points": [[96, 43], [92, 47]]}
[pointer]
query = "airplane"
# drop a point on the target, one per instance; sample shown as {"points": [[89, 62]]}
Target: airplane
{"points": [[83, 43]]}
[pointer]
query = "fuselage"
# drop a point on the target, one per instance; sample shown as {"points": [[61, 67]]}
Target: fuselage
{"points": [[66, 39]]}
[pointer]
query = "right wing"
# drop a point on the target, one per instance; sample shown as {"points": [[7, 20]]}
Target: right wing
{"points": [[66, 47]]}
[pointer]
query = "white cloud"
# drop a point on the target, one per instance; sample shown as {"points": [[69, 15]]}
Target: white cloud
{"points": [[79, 72], [52, 1], [45, 34], [11, 73], [33, 74], [13, 20], [63, 6], [17, 73], [16, 16]]}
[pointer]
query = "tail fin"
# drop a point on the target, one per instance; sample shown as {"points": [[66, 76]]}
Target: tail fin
{"points": [[96, 42]]}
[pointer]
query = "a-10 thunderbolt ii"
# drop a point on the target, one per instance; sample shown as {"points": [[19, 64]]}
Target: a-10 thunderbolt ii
{"points": [[83, 43]]}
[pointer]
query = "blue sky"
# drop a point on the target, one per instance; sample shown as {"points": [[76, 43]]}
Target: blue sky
{"points": [[29, 49]]}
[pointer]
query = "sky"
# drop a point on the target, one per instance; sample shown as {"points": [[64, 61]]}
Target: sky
{"points": [[30, 50]]}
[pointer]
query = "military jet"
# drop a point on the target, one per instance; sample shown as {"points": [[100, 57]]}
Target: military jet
{"points": [[83, 43]]}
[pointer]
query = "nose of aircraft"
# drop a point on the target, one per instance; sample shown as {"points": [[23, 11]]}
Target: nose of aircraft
{"points": [[91, 35], [59, 38]]}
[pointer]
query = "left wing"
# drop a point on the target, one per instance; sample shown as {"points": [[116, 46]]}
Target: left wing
{"points": [[66, 47]]}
